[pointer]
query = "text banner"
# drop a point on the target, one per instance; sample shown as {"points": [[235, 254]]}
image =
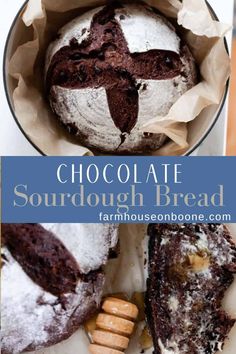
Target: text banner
{"points": [[118, 189]]}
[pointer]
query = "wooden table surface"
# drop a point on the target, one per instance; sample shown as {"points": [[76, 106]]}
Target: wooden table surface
{"points": [[231, 139]]}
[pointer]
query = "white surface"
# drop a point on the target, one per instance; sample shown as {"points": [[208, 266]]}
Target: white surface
{"points": [[13, 142]]}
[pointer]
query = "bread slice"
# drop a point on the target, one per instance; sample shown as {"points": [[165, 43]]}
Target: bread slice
{"points": [[190, 268]]}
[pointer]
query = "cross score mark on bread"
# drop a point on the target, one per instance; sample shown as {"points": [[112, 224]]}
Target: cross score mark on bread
{"points": [[104, 60]]}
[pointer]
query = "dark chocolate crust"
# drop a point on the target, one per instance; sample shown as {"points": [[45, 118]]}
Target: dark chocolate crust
{"points": [[183, 303], [104, 60], [71, 296], [42, 256], [88, 309], [82, 313]]}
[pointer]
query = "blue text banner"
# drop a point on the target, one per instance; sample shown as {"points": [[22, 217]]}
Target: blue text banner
{"points": [[118, 189]]}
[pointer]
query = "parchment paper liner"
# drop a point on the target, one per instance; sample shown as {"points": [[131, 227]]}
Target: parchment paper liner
{"points": [[205, 38], [128, 274]]}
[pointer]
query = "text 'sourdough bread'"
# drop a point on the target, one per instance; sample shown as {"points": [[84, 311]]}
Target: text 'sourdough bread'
{"points": [[113, 69], [190, 268], [52, 280]]}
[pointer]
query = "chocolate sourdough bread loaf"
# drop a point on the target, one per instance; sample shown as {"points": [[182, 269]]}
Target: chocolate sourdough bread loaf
{"points": [[113, 69], [190, 268], [52, 281]]}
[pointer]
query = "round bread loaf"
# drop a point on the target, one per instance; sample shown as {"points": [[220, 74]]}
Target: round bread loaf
{"points": [[51, 281], [113, 69]]}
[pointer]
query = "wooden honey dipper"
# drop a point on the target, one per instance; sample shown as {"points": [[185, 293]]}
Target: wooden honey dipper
{"points": [[113, 327]]}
